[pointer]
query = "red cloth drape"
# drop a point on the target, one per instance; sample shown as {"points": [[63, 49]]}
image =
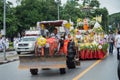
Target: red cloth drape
{"points": [[52, 45], [91, 54], [65, 46]]}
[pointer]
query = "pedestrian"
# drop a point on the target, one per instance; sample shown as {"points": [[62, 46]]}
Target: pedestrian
{"points": [[117, 44], [1, 45], [111, 42], [7, 43], [16, 40]]}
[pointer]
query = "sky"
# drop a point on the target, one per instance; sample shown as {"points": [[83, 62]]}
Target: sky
{"points": [[113, 6]]}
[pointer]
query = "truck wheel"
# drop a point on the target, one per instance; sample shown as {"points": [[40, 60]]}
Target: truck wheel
{"points": [[33, 52], [62, 71], [34, 71], [18, 52], [71, 64]]}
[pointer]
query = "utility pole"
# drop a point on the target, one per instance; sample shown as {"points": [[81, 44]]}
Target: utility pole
{"points": [[4, 29], [58, 12], [58, 7]]}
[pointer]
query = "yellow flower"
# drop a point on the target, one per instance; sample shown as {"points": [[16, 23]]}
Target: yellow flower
{"points": [[41, 41]]}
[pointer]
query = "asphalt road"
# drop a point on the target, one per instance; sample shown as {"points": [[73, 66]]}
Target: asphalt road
{"points": [[105, 70], [89, 70]]}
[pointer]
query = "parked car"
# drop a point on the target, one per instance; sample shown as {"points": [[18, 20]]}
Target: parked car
{"points": [[26, 44]]}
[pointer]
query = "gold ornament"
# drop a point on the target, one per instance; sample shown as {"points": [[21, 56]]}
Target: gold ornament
{"points": [[41, 41]]}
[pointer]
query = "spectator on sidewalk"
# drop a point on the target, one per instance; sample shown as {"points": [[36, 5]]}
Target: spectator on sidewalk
{"points": [[111, 42], [1, 46], [16, 40], [117, 44], [7, 43], [3, 43]]}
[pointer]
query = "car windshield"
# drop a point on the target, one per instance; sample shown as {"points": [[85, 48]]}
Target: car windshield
{"points": [[28, 39]]}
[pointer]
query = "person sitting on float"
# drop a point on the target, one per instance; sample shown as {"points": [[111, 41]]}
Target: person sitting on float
{"points": [[78, 35], [68, 37], [43, 31], [56, 35]]}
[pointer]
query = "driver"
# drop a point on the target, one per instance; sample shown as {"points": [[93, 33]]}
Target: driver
{"points": [[55, 34]]}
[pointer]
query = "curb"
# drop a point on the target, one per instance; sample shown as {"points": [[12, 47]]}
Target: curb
{"points": [[7, 61], [8, 50]]}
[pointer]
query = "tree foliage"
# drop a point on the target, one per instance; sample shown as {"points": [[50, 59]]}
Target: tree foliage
{"points": [[114, 21], [94, 3], [29, 12], [11, 28], [70, 11]]}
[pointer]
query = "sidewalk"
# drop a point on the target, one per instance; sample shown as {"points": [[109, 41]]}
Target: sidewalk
{"points": [[7, 50], [10, 57]]}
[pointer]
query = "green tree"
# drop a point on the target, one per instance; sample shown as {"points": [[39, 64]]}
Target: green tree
{"points": [[114, 21], [94, 3], [104, 23], [30, 12], [11, 28], [1, 14], [86, 2], [71, 10]]}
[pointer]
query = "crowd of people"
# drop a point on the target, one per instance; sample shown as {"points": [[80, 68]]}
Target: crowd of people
{"points": [[114, 41], [5, 43]]}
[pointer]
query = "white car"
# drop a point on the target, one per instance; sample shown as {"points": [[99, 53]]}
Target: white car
{"points": [[26, 44]]}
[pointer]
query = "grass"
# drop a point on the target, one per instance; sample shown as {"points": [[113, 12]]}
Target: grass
{"points": [[11, 45]]}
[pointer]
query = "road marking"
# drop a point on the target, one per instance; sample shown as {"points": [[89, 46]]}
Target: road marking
{"points": [[86, 70]]}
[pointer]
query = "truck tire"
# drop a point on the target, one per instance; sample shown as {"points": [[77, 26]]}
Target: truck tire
{"points": [[34, 71], [62, 71], [32, 52], [18, 52], [71, 64], [119, 70]]}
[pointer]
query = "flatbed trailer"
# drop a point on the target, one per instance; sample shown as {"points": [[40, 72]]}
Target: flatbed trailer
{"points": [[34, 62], [37, 62]]}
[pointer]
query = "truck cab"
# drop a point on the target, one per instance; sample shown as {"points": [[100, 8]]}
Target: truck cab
{"points": [[27, 43]]}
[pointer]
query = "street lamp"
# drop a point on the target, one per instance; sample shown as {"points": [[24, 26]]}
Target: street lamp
{"points": [[58, 4], [4, 28]]}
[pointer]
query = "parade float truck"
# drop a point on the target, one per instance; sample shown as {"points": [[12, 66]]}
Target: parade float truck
{"points": [[92, 43], [46, 55]]}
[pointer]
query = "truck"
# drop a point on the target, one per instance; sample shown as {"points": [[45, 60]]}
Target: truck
{"points": [[51, 58], [27, 42]]}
